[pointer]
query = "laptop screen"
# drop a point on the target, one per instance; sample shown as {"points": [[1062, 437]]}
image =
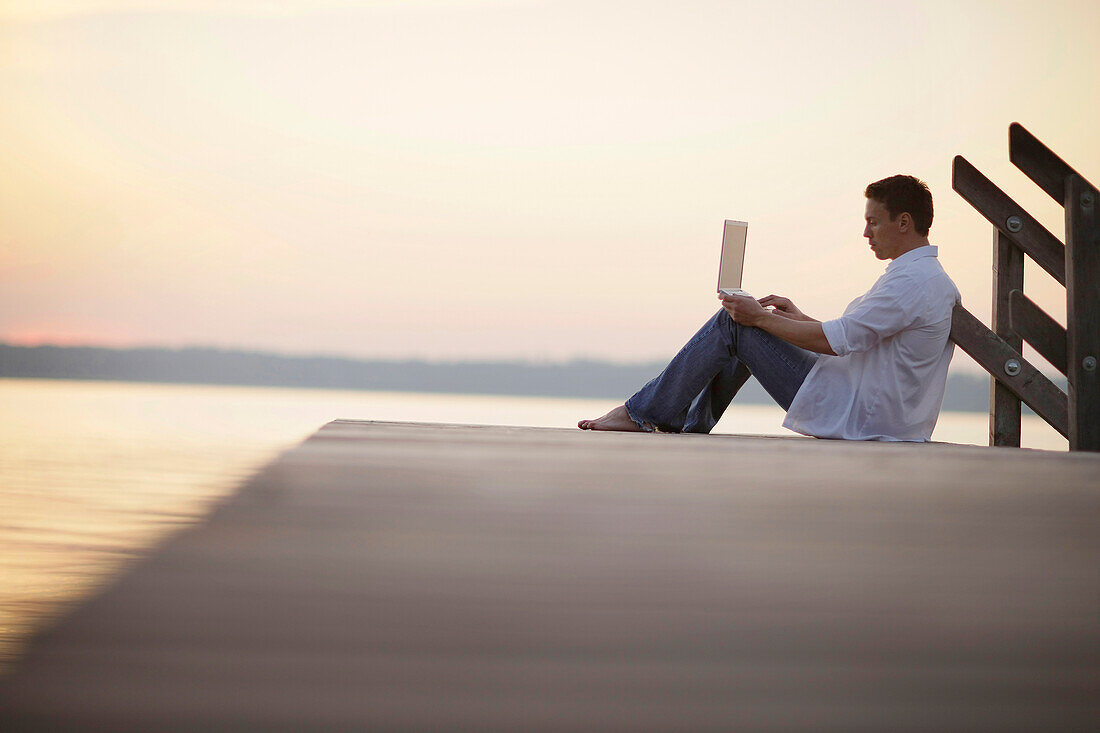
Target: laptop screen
{"points": [[732, 263]]}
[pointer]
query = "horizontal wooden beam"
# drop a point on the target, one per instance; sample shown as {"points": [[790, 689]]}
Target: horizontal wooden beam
{"points": [[996, 357], [1010, 218], [1038, 162], [1033, 325]]}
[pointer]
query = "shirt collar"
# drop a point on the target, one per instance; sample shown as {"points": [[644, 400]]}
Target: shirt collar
{"points": [[929, 250]]}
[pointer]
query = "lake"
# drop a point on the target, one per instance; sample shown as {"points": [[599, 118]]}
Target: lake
{"points": [[94, 474]]}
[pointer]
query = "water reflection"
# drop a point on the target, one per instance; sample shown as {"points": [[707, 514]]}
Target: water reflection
{"points": [[93, 474]]}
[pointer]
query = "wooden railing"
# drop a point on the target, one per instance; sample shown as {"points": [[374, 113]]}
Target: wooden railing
{"points": [[1075, 350]]}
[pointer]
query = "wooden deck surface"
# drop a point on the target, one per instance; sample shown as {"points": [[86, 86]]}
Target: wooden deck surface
{"points": [[388, 576]]}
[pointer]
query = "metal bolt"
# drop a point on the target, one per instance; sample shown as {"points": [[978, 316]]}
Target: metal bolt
{"points": [[1012, 367], [1086, 199], [1014, 224], [1089, 363]]}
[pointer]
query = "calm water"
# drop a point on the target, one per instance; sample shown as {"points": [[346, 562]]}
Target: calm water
{"points": [[93, 474]]}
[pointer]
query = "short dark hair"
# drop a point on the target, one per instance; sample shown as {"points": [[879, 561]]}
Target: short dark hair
{"points": [[901, 194]]}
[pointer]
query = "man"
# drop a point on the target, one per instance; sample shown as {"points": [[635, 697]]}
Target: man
{"points": [[876, 373]]}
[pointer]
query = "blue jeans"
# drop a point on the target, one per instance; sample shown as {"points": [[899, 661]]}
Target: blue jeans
{"points": [[693, 391]]}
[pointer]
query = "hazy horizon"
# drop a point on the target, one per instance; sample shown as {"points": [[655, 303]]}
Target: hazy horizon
{"points": [[498, 180], [965, 391]]}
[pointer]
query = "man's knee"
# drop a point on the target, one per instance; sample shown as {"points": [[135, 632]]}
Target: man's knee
{"points": [[731, 330], [725, 320]]}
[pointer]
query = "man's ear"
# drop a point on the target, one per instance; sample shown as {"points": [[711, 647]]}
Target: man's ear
{"points": [[905, 222]]}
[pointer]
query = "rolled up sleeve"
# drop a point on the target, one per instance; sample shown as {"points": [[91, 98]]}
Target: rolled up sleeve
{"points": [[876, 316]]}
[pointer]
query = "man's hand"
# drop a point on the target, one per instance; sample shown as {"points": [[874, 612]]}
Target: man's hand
{"points": [[800, 330], [784, 307], [743, 309]]}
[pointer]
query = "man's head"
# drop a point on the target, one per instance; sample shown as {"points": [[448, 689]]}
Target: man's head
{"points": [[899, 214]]}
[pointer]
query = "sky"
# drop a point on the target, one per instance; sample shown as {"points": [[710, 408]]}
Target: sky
{"points": [[499, 180]]}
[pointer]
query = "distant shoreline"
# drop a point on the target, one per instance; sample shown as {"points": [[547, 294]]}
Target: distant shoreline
{"points": [[208, 366]]}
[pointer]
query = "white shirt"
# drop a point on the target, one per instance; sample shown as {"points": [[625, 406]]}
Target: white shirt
{"points": [[888, 377]]}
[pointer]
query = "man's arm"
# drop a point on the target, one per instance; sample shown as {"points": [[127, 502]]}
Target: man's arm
{"points": [[806, 334]]}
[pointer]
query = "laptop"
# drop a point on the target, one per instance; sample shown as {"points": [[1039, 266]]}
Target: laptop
{"points": [[732, 263]]}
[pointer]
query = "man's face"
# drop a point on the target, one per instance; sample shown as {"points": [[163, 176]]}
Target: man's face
{"points": [[883, 235]]}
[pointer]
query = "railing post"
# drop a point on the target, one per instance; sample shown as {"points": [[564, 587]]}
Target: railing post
{"points": [[1083, 312], [993, 354], [1008, 275], [1075, 350]]}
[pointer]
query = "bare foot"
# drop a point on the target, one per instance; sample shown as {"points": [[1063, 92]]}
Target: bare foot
{"points": [[617, 419]]}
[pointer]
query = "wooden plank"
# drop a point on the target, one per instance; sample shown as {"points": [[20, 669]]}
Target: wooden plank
{"points": [[403, 577], [996, 206], [1037, 328], [1008, 275], [1083, 313], [1038, 162], [993, 354]]}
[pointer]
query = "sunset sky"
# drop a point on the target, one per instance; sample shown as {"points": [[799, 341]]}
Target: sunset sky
{"points": [[534, 180]]}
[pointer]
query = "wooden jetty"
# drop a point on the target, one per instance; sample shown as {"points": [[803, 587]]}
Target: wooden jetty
{"points": [[395, 576]]}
